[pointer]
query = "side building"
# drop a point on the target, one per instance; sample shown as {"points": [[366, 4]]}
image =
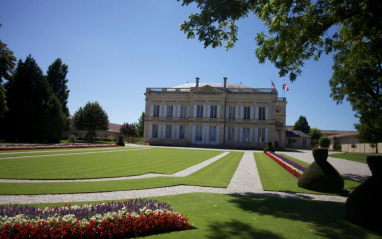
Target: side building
{"points": [[214, 115]]}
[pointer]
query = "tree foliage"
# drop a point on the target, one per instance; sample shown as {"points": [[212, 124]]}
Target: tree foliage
{"points": [[91, 118], [35, 113], [7, 65], [302, 125], [370, 131], [300, 30], [315, 133], [129, 129], [141, 125]]}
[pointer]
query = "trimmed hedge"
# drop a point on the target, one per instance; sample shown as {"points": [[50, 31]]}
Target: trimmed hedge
{"points": [[269, 147], [120, 141]]}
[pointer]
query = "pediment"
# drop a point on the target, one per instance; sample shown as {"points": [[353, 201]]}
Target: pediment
{"points": [[207, 90]]}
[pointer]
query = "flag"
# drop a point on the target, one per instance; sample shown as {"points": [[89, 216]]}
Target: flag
{"points": [[273, 84], [285, 87]]}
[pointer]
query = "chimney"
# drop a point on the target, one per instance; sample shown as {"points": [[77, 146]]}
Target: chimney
{"points": [[225, 82], [197, 82]]}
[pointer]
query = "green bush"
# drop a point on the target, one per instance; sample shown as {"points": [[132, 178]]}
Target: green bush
{"points": [[72, 139], [269, 147], [320, 155], [120, 141], [324, 142], [364, 205], [276, 144], [321, 177]]}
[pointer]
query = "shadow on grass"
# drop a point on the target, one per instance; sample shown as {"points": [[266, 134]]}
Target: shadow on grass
{"points": [[238, 229], [326, 219]]}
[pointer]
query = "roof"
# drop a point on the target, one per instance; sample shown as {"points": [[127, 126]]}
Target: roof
{"points": [[216, 85], [328, 133], [296, 133], [114, 128]]}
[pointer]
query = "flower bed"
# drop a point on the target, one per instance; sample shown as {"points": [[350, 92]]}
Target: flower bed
{"points": [[111, 220], [292, 167], [53, 146]]}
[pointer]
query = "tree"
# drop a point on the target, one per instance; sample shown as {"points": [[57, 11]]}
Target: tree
{"points": [[35, 113], [129, 130], [370, 131], [300, 30], [302, 125], [91, 118], [141, 125], [7, 64], [315, 135], [56, 76]]}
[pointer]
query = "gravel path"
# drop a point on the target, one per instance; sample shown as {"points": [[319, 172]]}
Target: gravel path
{"points": [[245, 181]]}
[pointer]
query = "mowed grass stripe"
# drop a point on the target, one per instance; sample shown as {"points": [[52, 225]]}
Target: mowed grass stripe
{"points": [[217, 174], [32, 154], [104, 165]]}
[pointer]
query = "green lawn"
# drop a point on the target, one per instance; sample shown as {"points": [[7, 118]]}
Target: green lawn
{"points": [[356, 157], [217, 174], [234, 216], [115, 162], [275, 178]]}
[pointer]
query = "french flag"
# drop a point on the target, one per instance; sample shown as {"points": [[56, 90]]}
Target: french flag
{"points": [[273, 84], [285, 87]]}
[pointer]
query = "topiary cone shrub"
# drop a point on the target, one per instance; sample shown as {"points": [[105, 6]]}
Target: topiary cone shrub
{"points": [[321, 175], [364, 205], [269, 147]]}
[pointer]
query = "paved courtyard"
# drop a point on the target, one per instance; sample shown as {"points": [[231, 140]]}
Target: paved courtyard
{"points": [[246, 181]]}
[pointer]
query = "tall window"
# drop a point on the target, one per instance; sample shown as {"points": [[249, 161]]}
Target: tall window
{"points": [[199, 111], [198, 134], [154, 133], [246, 134], [247, 113], [170, 110], [303, 143], [231, 112], [183, 111], [261, 138], [182, 132], [231, 133], [212, 134], [289, 142], [168, 131], [214, 111], [156, 110], [261, 113]]}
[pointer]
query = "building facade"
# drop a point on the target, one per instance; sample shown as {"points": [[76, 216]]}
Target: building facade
{"points": [[214, 115]]}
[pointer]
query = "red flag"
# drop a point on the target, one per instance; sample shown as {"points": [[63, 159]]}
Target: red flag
{"points": [[273, 84]]}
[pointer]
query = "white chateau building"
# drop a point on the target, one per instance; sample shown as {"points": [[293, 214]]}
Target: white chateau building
{"points": [[214, 115]]}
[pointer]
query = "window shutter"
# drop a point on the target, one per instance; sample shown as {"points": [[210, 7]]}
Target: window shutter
{"points": [[208, 135], [256, 135], [160, 110], [241, 112], [193, 133], [185, 132], [236, 112], [226, 134], [194, 111], [206, 111], [152, 111], [173, 131], [203, 134], [251, 113], [227, 112], [218, 112], [151, 131], [266, 135], [165, 111], [217, 135], [159, 131], [235, 137], [250, 134], [257, 113], [241, 134], [266, 112]]}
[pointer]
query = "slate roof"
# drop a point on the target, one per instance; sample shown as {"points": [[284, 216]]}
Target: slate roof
{"points": [[296, 133]]}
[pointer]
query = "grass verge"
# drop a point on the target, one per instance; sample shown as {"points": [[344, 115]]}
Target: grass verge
{"points": [[103, 164], [275, 178], [235, 216], [356, 157], [217, 174]]}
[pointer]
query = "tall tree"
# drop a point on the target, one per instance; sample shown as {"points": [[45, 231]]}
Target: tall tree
{"points": [[56, 76], [302, 125], [35, 113], [129, 130], [7, 65], [299, 30], [315, 135], [141, 125], [370, 131], [91, 118]]}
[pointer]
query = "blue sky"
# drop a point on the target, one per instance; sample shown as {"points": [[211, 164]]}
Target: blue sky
{"points": [[115, 49]]}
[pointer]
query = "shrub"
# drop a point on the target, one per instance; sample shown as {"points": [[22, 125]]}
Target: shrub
{"points": [[120, 141], [269, 147], [320, 155], [324, 142], [364, 205], [276, 144], [72, 139]]}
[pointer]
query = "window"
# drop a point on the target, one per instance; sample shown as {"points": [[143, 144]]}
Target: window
{"points": [[154, 133], [199, 111], [170, 110], [246, 134], [231, 112], [261, 138], [212, 134], [214, 111], [198, 134], [168, 132], [183, 111], [156, 110], [289, 142], [303, 142], [247, 113], [231, 133], [261, 113], [182, 132]]}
